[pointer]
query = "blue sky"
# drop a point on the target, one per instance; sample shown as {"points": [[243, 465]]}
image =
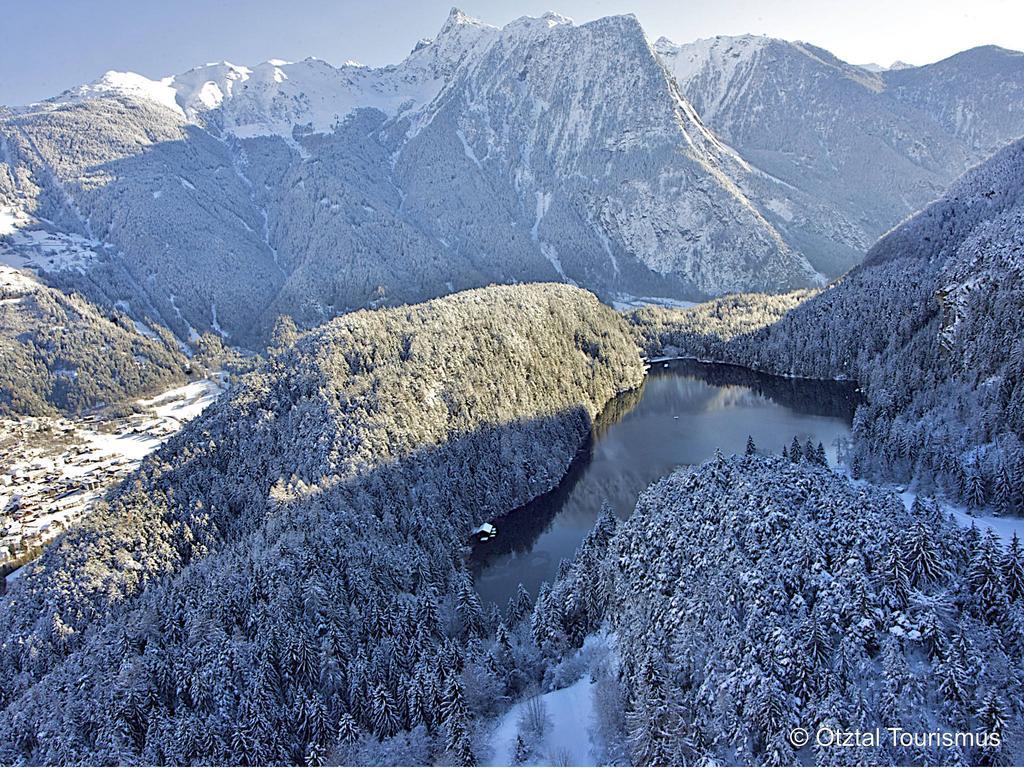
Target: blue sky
{"points": [[50, 45]]}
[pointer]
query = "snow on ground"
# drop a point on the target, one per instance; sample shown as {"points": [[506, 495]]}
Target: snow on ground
{"points": [[44, 251], [170, 410], [130, 84], [8, 221], [623, 302], [53, 469], [781, 208], [188, 401], [567, 740], [15, 282], [1003, 527]]}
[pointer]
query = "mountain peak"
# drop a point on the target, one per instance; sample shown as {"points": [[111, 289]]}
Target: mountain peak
{"points": [[544, 22], [554, 18], [664, 46], [459, 18], [460, 34], [131, 84]]}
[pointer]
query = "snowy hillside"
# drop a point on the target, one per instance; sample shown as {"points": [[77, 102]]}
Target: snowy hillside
{"points": [[309, 527], [753, 595], [62, 353], [275, 97]]}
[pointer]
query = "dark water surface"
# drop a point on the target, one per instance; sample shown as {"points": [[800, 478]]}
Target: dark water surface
{"points": [[682, 414]]}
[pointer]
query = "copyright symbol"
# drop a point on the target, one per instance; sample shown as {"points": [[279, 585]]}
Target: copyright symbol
{"points": [[799, 737]]}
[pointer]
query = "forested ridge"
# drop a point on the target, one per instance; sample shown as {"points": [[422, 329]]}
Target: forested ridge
{"points": [[284, 578], [62, 353], [931, 327], [752, 595]]}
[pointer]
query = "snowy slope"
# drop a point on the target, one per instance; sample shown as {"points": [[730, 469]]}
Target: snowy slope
{"points": [[753, 595], [976, 95], [275, 97], [615, 177], [567, 741], [62, 353]]}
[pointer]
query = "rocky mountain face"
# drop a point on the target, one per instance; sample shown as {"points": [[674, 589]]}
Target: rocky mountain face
{"points": [[847, 152], [220, 198]]}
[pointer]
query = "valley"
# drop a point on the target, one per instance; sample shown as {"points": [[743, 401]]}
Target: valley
{"points": [[557, 394], [57, 468]]}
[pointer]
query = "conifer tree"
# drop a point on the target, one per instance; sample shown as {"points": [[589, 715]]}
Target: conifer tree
{"points": [[985, 578], [992, 718], [795, 452], [897, 580], [974, 490], [1013, 569], [469, 608], [520, 753], [925, 560], [386, 719], [348, 729], [519, 606]]}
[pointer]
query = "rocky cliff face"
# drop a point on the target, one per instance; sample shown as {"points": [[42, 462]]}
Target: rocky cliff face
{"points": [[847, 152]]}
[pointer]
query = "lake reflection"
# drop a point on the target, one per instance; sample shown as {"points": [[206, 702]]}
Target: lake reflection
{"points": [[683, 413]]}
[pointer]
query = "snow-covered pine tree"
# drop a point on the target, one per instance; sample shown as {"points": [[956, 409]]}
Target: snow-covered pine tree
{"points": [[1013, 569], [795, 451], [468, 606], [985, 578], [519, 606], [925, 558], [896, 579]]}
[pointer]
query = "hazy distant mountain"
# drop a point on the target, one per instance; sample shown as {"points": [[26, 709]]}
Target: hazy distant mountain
{"points": [[854, 150]]}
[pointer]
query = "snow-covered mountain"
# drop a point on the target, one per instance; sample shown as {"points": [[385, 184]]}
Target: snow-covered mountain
{"points": [[223, 197], [275, 97], [227, 195], [855, 149]]}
